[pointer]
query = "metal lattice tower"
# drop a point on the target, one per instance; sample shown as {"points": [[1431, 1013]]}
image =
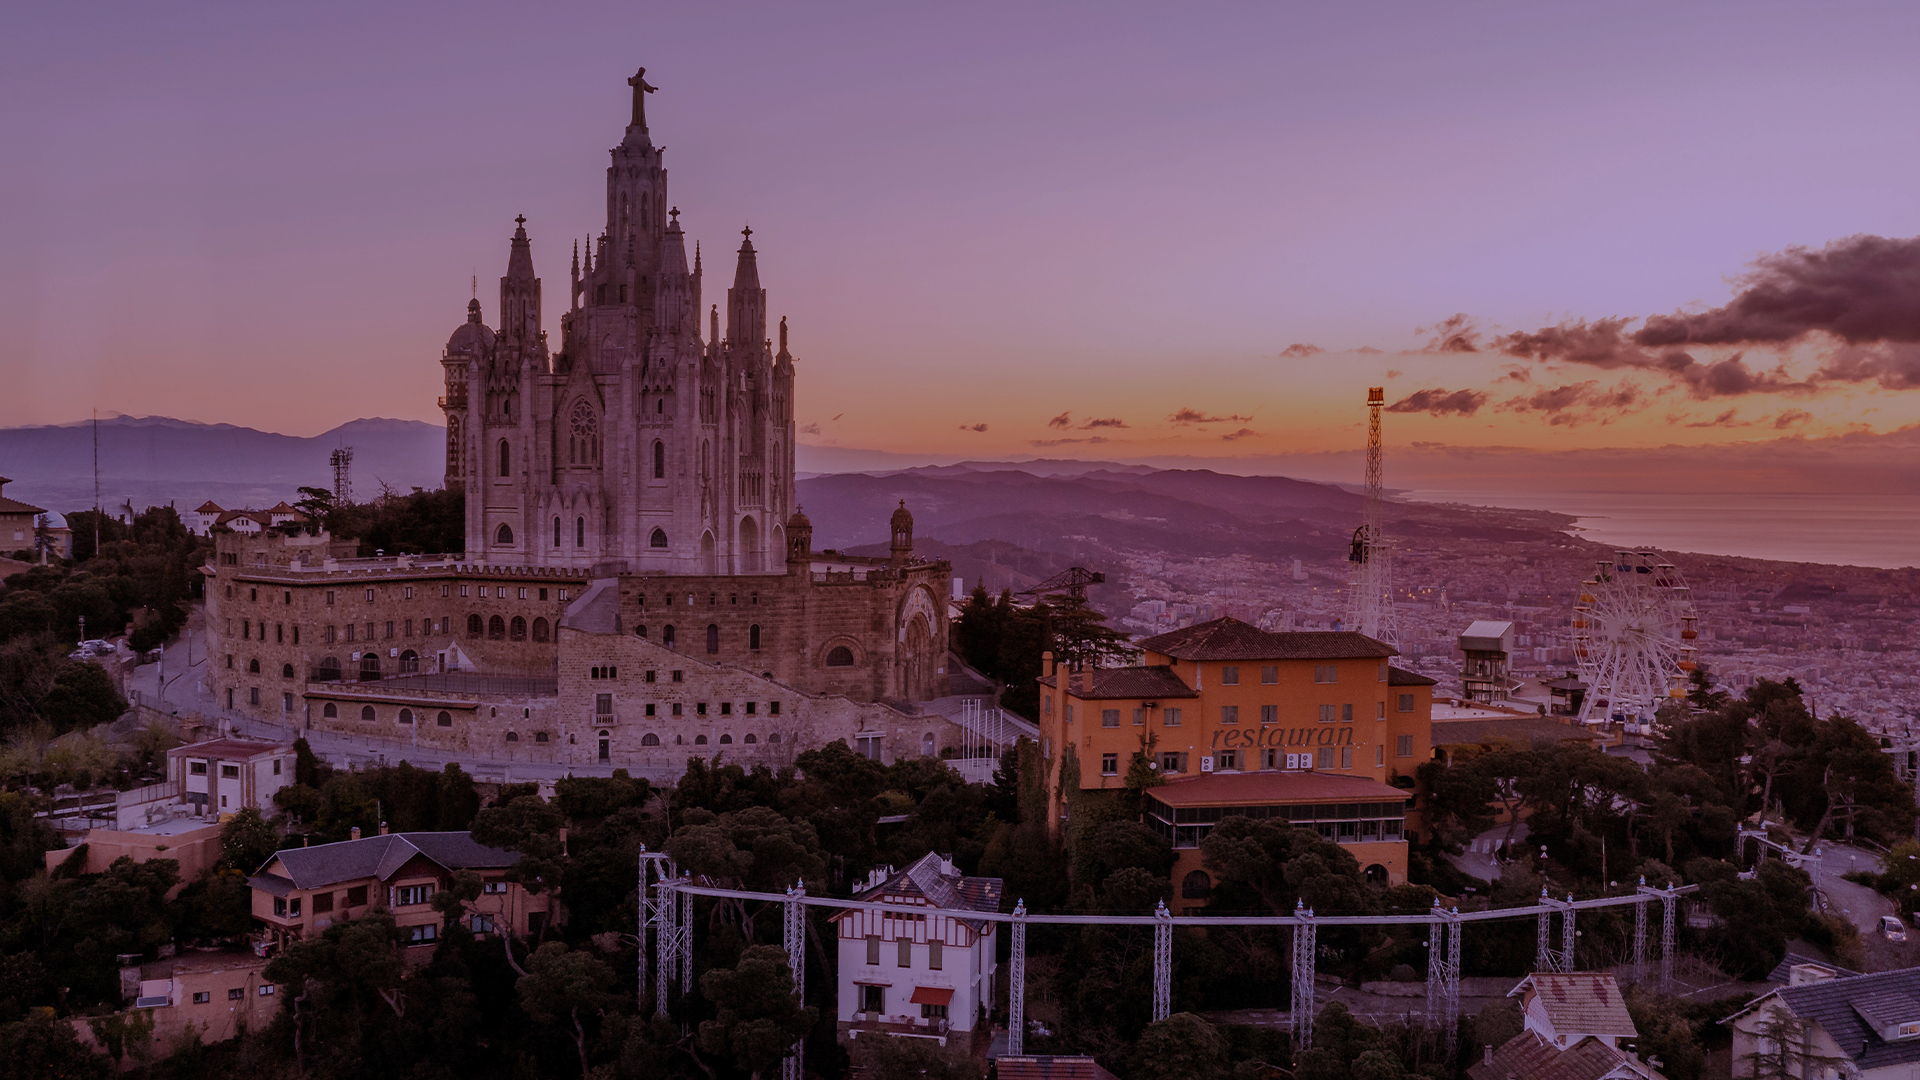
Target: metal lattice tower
{"points": [[1017, 983], [1640, 936], [796, 942], [342, 462], [1443, 976], [1162, 962], [1543, 941], [683, 938], [1667, 898], [665, 905], [1567, 937], [1304, 948], [1370, 599]]}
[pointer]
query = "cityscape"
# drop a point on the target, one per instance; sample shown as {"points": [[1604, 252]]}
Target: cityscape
{"points": [[1265, 607]]}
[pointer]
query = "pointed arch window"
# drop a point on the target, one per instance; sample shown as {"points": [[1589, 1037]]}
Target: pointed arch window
{"points": [[753, 637], [579, 532], [540, 629], [658, 539], [503, 536], [506, 459], [659, 462], [556, 532], [713, 638], [583, 435]]}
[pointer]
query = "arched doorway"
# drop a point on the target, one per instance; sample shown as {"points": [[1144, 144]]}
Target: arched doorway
{"points": [[749, 552], [369, 667], [706, 554], [915, 675], [409, 663]]}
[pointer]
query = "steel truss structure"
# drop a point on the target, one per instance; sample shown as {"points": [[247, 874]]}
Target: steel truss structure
{"points": [[673, 905], [796, 942], [1667, 898]]}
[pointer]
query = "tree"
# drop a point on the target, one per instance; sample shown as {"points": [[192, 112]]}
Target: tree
{"points": [[757, 1015], [918, 1058], [1784, 1050], [562, 985], [531, 826], [247, 841], [82, 696], [1181, 1047], [47, 1049]]}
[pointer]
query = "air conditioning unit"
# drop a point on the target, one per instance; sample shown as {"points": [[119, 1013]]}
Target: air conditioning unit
{"points": [[1206, 763]]}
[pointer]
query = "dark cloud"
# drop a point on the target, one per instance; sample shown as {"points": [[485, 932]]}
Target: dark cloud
{"points": [[1104, 422], [1300, 350], [1578, 403], [1062, 421], [1726, 419], [1439, 402], [810, 428], [1241, 434], [1605, 344], [1457, 334], [1064, 442], [1791, 417], [1860, 289], [1195, 416], [1894, 365], [973, 427]]}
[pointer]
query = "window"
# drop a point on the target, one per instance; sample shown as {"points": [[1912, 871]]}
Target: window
{"points": [[493, 888], [1325, 673], [502, 536], [280, 907], [513, 736], [496, 628], [1406, 702], [700, 708], [475, 626], [482, 924], [873, 999], [1170, 718], [539, 736], [238, 993], [1229, 714], [357, 896], [1327, 713], [1109, 717], [266, 990], [1173, 761], [1403, 746], [293, 907], [1346, 714], [197, 768], [367, 714], [1379, 710], [934, 960], [229, 772], [1196, 886], [649, 739], [406, 716], [410, 895], [753, 637], [201, 997], [840, 656], [660, 473], [726, 708], [774, 708], [445, 719], [506, 459], [1346, 757], [1383, 671], [253, 667], [518, 630], [603, 704], [713, 638], [873, 950], [1227, 759], [905, 959], [330, 711], [1326, 757], [1379, 755], [540, 631], [1269, 714], [1270, 674], [1230, 676], [253, 695], [1109, 764], [424, 934]]}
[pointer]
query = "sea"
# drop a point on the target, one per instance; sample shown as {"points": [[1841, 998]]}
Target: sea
{"points": [[1800, 526]]}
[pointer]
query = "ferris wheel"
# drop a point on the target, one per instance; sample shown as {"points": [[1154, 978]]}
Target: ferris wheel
{"points": [[1634, 634]]}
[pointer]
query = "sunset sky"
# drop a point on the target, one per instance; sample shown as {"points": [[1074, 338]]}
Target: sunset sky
{"points": [[1001, 230]]}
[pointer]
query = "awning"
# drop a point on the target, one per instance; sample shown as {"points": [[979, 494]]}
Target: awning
{"points": [[931, 995]]}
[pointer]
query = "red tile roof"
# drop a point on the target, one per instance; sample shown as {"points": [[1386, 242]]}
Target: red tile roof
{"points": [[1259, 788], [1530, 1057], [1127, 682], [1231, 639], [1402, 677], [1581, 1003], [1046, 1067], [15, 506]]}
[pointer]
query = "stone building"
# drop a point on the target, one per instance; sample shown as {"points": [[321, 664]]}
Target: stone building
{"points": [[629, 508]]}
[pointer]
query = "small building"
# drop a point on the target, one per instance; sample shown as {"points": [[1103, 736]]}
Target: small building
{"points": [[1864, 1026], [300, 892], [918, 976], [1486, 671], [224, 776], [16, 522], [219, 995], [200, 520], [1571, 1029]]}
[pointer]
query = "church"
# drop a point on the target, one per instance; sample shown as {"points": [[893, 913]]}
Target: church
{"points": [[637, 579]]}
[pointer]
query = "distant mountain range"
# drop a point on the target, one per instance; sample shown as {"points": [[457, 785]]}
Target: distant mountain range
{"points": [[154, 460]]}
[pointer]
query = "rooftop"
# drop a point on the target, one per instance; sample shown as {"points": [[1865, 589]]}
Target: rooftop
{"points": [[1398, 676], [379, 857], [1530, 1056], [1518, 731], [1261, 788], [1231, 639], [1127, 682], [1049, 1067], [1848, 1008], [1581, 1003], [229, 748], [935, 879]]}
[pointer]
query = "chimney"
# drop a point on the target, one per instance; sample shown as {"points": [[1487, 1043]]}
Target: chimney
{"points": [[383, 828], [1487, 1052], [355, 834]]}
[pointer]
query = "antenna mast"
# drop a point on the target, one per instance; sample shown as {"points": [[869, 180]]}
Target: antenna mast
{"points": [[96, 481], [1370, 600], [342, 461]]}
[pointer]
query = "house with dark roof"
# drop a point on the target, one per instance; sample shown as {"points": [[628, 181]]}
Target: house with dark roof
{"points": [[918, 976], [1271, 709], [1864, 1026], [1572, 1025], [299, 892]]}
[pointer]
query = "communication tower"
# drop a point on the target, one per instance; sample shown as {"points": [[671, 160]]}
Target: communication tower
{"points": [[1370, 593], [342, 461]]}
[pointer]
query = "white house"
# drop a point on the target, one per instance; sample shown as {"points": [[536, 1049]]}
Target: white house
{"points": [[1824, 1025], [916, 975]]}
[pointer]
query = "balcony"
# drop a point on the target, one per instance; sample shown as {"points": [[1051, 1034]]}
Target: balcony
{"points": [[917, 1027]]}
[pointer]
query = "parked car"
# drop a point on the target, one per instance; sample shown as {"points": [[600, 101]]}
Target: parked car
{"points": [[1891, 926]]}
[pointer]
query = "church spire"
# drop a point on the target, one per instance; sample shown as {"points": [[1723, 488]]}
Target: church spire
{"points": [[747, 301], [520, 290]]}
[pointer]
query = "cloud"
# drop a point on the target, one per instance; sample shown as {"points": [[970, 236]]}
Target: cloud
{"points": [[1726, 419], [1105, 422], [1860, 289], [1791, 417], [1894, 365], [1064, 442], [1571, 404], [1195, 416], [1241, 434], [1367, 350], [810, 428], [1061, 421], [1393, 373], [973, 427], [1300, 350], [1456, 334], [1439, 402], [1605, 344]]}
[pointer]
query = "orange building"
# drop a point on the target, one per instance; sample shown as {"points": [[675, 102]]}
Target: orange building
{"points": [[1286, 711]]}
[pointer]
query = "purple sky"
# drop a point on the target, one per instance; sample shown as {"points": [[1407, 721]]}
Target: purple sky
{"points": [[268, 214]]}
